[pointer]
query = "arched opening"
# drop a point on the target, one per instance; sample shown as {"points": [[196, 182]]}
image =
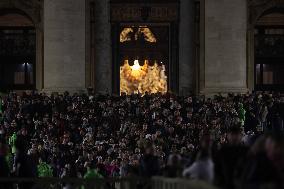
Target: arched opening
{"points": [[144, 59], [145, 46], [17, 51], [269, 51]]}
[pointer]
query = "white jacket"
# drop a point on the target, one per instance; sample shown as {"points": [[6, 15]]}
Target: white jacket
{"points": [[201, 170]]}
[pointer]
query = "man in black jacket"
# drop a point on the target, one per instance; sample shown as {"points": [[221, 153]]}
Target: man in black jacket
{"points": [[25, 167], [266, 166], [4, 168], [228, 158], [149, 163]]}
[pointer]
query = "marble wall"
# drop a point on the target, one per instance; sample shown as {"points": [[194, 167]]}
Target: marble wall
{"points": [[225, 68], [64, 45]]}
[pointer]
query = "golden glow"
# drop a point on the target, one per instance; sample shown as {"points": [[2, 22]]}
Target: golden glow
{"points": [[142, 79], [124, 35], [148, 35]]}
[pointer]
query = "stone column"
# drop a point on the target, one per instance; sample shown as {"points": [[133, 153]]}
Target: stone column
{"points": [[64, 45], [103, 55], [225, 46], [39, 57], [250, 58], [186, 47]]}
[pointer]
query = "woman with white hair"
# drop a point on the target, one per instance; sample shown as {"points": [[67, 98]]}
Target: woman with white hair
{"points": [[202, 168]]}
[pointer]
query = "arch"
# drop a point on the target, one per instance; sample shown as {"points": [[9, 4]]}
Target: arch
{"points": [[257, 9], [8, 11], [33, 10], [272, 18], [15, 18], [272, 10], [17, 51]]}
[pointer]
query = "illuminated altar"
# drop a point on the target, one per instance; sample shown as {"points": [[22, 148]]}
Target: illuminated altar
{"points": [[148, 77], [144, 46], [142, 79]]}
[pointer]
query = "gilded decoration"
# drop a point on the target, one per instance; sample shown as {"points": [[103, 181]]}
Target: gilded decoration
{"points": [[144, 31], [144, 12]]}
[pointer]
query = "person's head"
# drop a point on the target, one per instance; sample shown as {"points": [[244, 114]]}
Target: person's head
{"points": [[90, 156], [149, 148], [203, 154], [206, 140], [100, 160], [189, 115], [258, 146], [174, 160], [135, 160], [24, 132], [234, 135], [13, 123], [274, 147], [240, 105], [21, 144], [171, 130]]}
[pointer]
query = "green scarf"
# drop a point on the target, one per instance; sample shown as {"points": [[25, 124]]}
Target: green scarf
{"points": [[9, 160], [242, 114], [92, 173], [1, 110], [12, 141], [44, 170], [1, 106]]}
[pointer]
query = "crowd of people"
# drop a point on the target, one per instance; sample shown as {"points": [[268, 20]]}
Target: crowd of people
{"points": [[228, 141]]}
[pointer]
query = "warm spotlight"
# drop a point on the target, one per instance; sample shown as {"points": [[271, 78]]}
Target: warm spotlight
{"points": [[136, 66]]}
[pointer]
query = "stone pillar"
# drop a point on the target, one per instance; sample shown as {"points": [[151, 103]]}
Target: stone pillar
{"points": [[64, 45], [103, 55], [225, 67], [186, 47], [39, 57]]}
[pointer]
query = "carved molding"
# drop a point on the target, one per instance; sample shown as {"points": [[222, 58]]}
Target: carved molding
{"points": [[165, 12], [33, 8], [258, 7]]}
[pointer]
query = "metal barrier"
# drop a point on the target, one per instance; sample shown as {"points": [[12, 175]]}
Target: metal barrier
{"points": [[111, 183], [114, 183], [74, 183], [179, 183]]}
